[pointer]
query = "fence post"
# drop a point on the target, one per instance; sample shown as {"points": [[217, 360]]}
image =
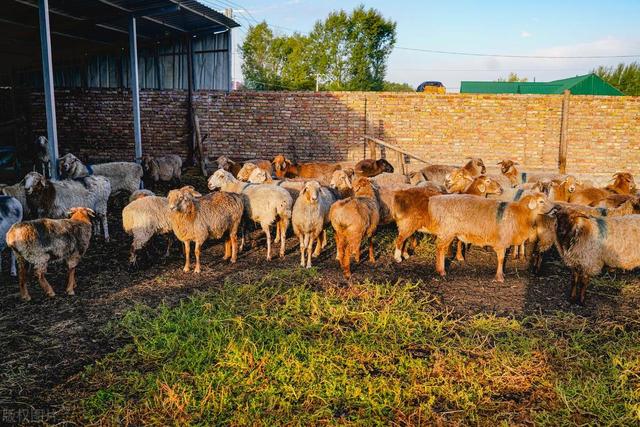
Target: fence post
{"points": [[372, 149], [562, 155]]}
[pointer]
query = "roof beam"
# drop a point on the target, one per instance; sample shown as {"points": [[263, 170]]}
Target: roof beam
{"points": [[148, 18], [198, 13], [57, 33]]}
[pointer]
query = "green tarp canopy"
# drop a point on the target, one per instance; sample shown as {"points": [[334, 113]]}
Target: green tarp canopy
{"points": [[589, 84]]}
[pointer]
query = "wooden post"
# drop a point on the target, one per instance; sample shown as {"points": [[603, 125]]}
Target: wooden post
{"points": [[401, 163], [196, 125], [372, 149], [564, 130]]}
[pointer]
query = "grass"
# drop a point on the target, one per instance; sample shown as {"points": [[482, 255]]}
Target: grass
{"points": [[286, 350]]}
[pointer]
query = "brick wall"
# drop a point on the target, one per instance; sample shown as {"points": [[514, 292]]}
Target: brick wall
{"points": [[603, 132]]}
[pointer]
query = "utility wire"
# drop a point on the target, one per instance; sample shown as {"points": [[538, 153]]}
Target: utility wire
{"points": [[445, 52]]}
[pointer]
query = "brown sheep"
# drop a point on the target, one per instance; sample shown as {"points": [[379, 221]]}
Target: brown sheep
{"points": [[354, 219], [370, 167], [508, 169], [40, 241], [410, 212], [438, 173], [586, 244], [196, 218], [321, 172], [234, 167], [482, 222], [592, 196]]}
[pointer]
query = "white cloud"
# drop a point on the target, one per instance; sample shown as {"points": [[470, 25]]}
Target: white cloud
{"points": [[525, 34]]}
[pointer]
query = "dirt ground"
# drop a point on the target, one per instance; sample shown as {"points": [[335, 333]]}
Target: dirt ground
{"points": [[47, 341]]}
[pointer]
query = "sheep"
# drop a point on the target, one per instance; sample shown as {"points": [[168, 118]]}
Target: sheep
{"points": [[309, 217], [438, 173], [321, 172], [123, 176], [410, 213], [586, 244], [139, 194], [265, 204], [544, 231], [623, 184], [196, 218], [561, 190], [225, 163], [460, 181], [247, 169], [166, 168], [482, 222], [353, 219], [370, 168], [40, 241], [508, 170], [17, 191], [53, 199], [615, 200], [10, 213], [293, 186], [390, 179], [41, 159], [341, 183], [143, 218]]}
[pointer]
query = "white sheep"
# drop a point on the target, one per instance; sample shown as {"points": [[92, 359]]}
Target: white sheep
{"points": [[17, 191], [166, 168], [264, 203], [123, 176], [54, 199], [145, 217], [309, 217]]}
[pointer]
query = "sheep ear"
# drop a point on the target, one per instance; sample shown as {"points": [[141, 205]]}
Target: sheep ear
{"points": [[482, 188], [516, 163], [532, 204]]}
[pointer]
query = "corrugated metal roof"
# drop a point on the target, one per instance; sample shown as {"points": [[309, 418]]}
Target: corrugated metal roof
{"points": [[588, 84]]}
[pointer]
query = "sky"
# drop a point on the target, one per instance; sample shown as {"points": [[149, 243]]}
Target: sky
{"points": [[541, 28]]}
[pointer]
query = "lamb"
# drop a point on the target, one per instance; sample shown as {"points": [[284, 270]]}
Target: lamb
{"points": [[166, 168], [370, 168], [321, 172], [438, 173], [586, 244], [123, 176], [234, 167], [40, 241], [293, 186], [53, 199], [10, 213], [143, 218], [265, 204], [309, 217], [482, 222], [196, 218], [353, 219], [41, 159]]}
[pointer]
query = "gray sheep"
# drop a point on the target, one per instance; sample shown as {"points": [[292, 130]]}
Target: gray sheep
{"points": [[123, 176], [166, 168], [10, 213], [54, 199], [40, 241], [309, 217]]}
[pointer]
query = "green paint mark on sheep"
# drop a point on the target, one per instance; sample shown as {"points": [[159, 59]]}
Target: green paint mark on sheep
{"points": [[500, 212], [523, 176], [602, 228], [603, 211], [518, 194]]}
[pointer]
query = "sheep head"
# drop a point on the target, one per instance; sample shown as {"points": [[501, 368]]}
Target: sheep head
{"points": [[258, 176], [458, 180], [340, 180], [67, 163], [506, 165], [624, 180], [311, 190], [219, 179], [181, 200], [224, 163], [384, 165], [34, 182], [280, 164], [82, 214], [537, 203], [245, 171], [476, 163], [363, 186], [487, 185]]}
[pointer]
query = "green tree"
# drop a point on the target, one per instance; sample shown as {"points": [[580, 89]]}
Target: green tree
{"points": [[624, 77], [397, 87], [343, 52], [513, 77]]}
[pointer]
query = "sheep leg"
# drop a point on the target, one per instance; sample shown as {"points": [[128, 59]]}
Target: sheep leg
{"points": [[321, 242], [105, 226], [324, 240], [403, 235], [22, 272], [71, 280], [302, 249], [459, 254], [234, 246], [265, 228], [584, 282], [345, 261], [198, 245], [339, 246], [372, 258], [442, 249], [284, 224], [310, 249], [523, 250], [44, 284], [187, 255], [227, 249], [13, 264], [500, 252], [277, 239], [355, 250], [169, 244], [575, 278]]}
